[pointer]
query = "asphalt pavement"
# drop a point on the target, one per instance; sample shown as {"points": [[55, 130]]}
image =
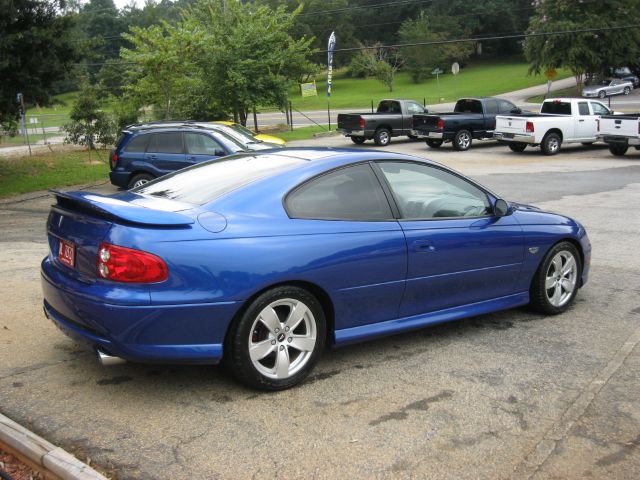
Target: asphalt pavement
{"points": [[508, 395]]}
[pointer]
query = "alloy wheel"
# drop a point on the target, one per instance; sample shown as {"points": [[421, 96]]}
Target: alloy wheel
{"points": [[561, 278]]}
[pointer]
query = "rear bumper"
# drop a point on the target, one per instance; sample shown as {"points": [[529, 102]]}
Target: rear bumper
{"points": [[184, 333], [351, 133], [119, 179], [515, 137], [619, 140], [432, 134]]}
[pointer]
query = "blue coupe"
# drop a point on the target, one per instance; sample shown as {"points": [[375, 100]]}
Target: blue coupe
{"points": [[260, 259]]}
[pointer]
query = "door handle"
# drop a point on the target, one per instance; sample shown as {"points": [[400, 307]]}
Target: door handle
{"points": [[581, 120], [191, 159], [423, 246], [152, 157]]}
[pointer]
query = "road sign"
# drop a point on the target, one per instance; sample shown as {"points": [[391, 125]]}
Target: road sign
{"points": [[437, 71], [33, 120], [551, 73], [455, 68], [308, 89]]}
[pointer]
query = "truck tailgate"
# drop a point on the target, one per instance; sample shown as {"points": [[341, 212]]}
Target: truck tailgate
{"points": [[425, 121], [349, 121], [620, 125], [516, 125]]}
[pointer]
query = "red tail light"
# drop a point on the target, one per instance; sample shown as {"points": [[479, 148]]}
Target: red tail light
{"points": [[122, 264], [440, 125], [362, 122], [114, 160], [529, 128], [598, 125]]}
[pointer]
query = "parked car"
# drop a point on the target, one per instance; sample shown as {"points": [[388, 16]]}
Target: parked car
{"points": [[391, 119], [259, 259], [607, 88], [561, 120], [261, 137], [147, 151], [624, 73], [472, 118], [620, 132]]}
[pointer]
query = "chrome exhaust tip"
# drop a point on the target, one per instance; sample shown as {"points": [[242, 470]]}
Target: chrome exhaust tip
{"points": [[107, 360]]}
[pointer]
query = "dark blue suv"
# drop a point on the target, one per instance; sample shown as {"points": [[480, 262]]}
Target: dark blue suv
{"points": [[147, 151]]}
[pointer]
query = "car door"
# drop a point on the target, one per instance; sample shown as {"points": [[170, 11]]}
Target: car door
{"points": [[202, 147], [413, 108], [165, 152], [356, 248], [586, 124], [490, 111], [599, 109], [459, 252]]}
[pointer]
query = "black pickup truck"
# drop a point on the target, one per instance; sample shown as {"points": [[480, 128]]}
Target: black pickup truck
{"points": [[471, 118], [392, 119]]}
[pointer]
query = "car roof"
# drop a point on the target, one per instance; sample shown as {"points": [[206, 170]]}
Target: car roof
{"points": [[172, 125]]}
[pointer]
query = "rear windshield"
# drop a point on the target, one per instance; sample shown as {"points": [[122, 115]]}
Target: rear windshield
{"points": [[207, 181], [389, 106], [556, 108], [468, 105]]}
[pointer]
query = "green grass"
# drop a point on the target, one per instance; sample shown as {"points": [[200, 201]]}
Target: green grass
{"points": [[55, 169], [565, 92], [57, 114], [480, 78], [302, 133], [20, 140]]}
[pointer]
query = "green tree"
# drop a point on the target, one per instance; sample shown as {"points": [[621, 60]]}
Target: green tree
{"points": [[389, 62], [90, 125], [587, 52], [36, 49]]}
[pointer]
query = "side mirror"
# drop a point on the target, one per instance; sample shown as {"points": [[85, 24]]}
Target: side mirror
{"points": [[501, 208], [220, 153]]}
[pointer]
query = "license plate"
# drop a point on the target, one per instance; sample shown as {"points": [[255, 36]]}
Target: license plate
{"points": [[67, 253], [507, 135]]}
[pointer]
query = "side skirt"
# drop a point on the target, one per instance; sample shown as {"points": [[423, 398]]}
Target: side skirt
{"points": [[346, 336]]}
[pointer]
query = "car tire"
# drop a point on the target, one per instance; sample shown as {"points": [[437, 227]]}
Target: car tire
{"points": [[382, 137], [139, 180], [627, 90], [358, 140], [602, 94], [556, 282], [551, 144], [462, 140], [517, 146], [262, 351], [618, 150], [434, 143]]}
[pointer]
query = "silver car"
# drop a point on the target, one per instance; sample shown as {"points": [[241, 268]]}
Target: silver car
{"points": [[615, 86]]}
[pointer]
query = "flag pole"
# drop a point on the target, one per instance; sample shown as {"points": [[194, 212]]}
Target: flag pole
{"points": [[331, 47]]}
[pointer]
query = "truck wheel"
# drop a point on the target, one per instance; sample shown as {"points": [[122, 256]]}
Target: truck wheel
{"points": [[627, 90], [382, 137], [618, 150], [358, 140], [601, 94], [517, 146], [434, 143], [462, 140], [551, 144]]}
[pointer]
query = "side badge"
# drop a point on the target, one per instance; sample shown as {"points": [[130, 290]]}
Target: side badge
{"points": [[533, 250]]}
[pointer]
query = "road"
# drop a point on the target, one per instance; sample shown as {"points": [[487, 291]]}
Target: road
{"points": [[510, 395]]}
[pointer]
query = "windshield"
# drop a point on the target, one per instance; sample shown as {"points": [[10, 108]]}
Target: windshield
{"points": [[244, 131], [207, 181]]}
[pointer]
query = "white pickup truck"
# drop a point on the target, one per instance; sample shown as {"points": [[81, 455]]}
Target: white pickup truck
{"points": [[561, 120], [620, 132]]}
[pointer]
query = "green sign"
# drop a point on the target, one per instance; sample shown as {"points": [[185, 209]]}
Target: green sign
{"points": [[308, 89]]}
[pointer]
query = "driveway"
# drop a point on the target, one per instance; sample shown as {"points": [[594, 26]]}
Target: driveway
{"points": [[508, 395]]}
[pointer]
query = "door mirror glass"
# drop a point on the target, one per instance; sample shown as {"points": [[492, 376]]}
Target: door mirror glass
{"points": [[501, 208]]}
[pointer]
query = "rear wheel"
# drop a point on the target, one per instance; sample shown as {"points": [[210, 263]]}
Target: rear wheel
{"points": [[358, 140], [627, 90], [462, 140], [601, 94], [551, 144], [139, 180], [618, 150], [278, 339], [382, 137], [434, 143], [517, 146], [557, 279]]}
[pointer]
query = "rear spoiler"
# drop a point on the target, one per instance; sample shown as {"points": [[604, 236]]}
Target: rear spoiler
{"points": [[116, 209]]}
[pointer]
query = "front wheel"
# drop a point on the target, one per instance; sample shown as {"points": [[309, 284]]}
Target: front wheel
{"points": [[601, 94], [434, 143], [517, 146], [382, 137], [618, 150], [358, 140], [462, 140], [627, 90], [551, 144], [557, 280], [278, 339]]}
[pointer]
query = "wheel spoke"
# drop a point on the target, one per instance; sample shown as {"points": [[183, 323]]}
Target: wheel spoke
{"points": [[567, 285], [259, 350], [269, 317], [557, 264], [282, 363], [557, 294], [296, 316], [568, 267], [549, 283], [304, 344]]}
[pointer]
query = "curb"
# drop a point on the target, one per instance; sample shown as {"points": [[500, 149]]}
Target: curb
{"points": [[45, 454], [330, 133]]}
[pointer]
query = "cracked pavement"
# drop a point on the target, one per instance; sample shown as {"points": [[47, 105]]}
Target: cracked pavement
{"points": [[508, 395]]}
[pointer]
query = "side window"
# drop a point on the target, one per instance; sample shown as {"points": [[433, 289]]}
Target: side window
{"points": [[425, 192], [198, 144], [414, 108], [583, 108], [166, 142], [351, 193], [491, 106], [505, 106], [137, 144], [599, 109]]}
